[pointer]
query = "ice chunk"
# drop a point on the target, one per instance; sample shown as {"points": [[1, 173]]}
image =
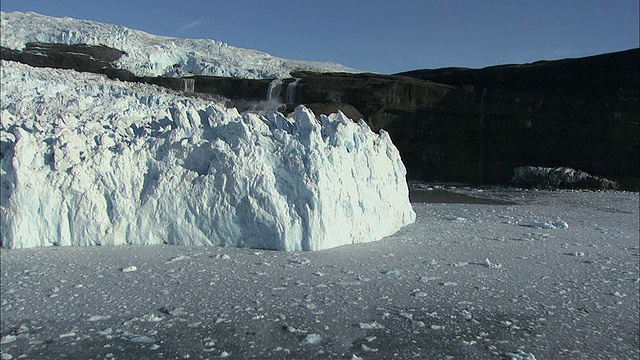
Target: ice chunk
{"points": [[556, 224], [7, 339], [312, 339], [491, 265], [371, 326], [520, 355], [98, 317]]}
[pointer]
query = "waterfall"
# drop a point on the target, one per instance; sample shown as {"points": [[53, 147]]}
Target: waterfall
{"points": [[273, 102], [188, 85], [273, 93], [291, 91]]}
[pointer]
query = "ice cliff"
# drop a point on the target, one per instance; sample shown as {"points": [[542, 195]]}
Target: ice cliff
{"points": [[152, 55], [91, 161]]}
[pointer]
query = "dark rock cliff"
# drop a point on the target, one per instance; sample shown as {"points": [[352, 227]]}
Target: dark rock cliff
{"points": [[583, 113], [87, 58]]}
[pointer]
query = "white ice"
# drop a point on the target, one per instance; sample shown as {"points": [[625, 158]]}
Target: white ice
{"points": [[91, 161], [152, 55]]}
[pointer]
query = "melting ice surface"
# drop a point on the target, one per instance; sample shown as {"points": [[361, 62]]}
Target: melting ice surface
{"points": [[89, 161]]}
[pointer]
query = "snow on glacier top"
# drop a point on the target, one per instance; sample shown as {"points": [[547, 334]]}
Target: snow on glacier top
{"points": [[153, 55]]}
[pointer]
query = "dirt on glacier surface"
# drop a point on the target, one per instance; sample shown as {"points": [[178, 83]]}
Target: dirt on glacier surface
{"points": [[520, 275]]}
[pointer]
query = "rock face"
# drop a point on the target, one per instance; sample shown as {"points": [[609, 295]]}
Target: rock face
{"points": [[87, 58], [583, 113]]}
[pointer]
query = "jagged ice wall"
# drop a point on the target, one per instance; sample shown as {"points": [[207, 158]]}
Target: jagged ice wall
{"points": [[91, 161]]}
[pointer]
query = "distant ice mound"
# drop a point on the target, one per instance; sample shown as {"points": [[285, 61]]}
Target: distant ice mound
{"points": [[559, 178], [152, 55], [91, 161]]}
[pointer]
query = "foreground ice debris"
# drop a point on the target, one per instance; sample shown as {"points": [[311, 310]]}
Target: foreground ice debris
{"points": [[90, 161]]}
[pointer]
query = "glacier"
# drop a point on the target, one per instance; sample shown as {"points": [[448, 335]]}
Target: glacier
{"points": [[92, 161], [153, 55]]}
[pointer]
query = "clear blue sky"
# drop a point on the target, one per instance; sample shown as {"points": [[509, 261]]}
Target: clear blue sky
{"points": [[375, 35]]}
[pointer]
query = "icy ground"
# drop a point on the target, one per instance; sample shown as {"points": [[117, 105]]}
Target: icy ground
{"points": [[92, 161], [465, 281], [152, 55]]}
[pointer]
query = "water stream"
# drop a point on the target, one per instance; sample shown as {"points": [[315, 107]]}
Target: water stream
{"points": [[291, 91], [273, 93]]}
